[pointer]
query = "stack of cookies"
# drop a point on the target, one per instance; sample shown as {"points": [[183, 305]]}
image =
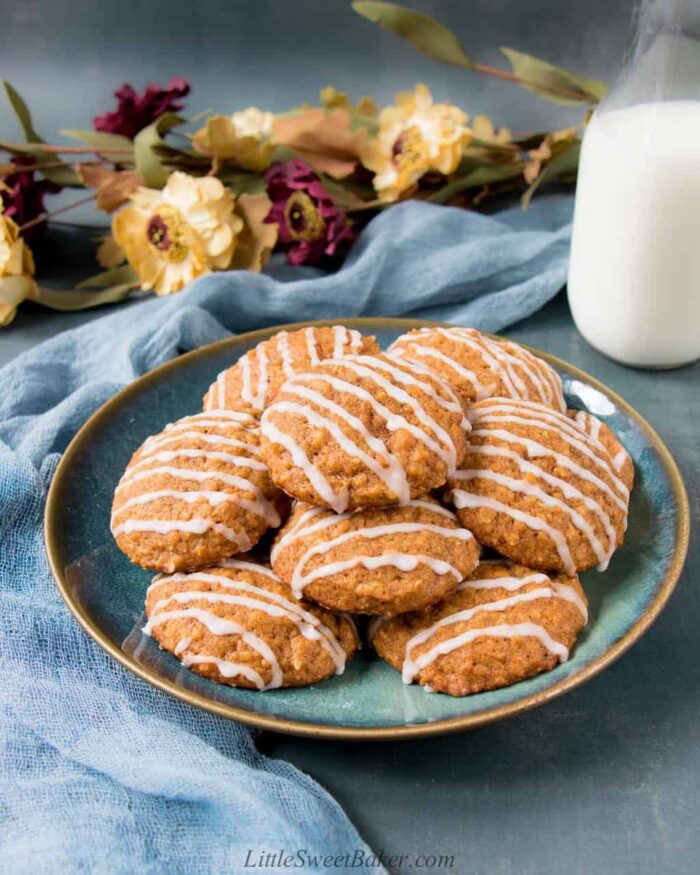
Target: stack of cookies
{"points": [[384, 477]]}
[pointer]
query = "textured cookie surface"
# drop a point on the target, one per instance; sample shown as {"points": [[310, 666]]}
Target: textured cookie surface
{"points": [[382, 561], [602, 432], [253, 381], [195, 494], [538, 489], [238, 624], [480, 367], [363, 431], [503, 624]]}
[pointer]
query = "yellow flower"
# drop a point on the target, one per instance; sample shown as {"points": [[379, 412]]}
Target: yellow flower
{"points": [[172, 236], [332, 99], [16, 269], [415, 136], [552, 145], [244, 137]]}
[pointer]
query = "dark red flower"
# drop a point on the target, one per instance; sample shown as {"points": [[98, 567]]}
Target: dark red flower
{"points": [[23, 199], [134, 112], [312, 229]]}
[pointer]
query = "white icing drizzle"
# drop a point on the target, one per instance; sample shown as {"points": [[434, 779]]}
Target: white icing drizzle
{"points": [[394, 421], [503, 359], [372, 627], [259, 599], [221, 626], [563, 590], [459, 369], [215, 413], [259, 506], [450, 403], [391, 473], [285, 354], [569, 491], [256, 398], [462, 499], [355, 341], [311, 345], [185, 453], [215, 439], [620, 458], [367, 366], [535, 449], [303, 527], [193, 526], [401, 560], [226, 669], [526, 488], [302, 461], [565, 431], [515, 630], [341, 337]]}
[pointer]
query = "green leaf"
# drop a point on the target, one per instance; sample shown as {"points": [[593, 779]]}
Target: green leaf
{"points": [[104, 143], [149, 164], [554, 83], [75, 299], [565, 162], [421, 31], [124, 274], [21, 110], [65, 175], [480, 176]]}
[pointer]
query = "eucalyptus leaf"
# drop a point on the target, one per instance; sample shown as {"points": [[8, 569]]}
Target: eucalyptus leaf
{"points": [[149, 164], [554, 83], [104, 143], [124, 274], [21, 110], [480, 176], [75, 299], [565, 162], [423, 32]]}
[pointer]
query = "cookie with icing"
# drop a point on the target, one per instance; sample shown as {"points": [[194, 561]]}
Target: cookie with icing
{"points": [[238, 624], [253, 381], [381, 562], [503, 624], [363, 431], [195, 494], [538, 489], [480, 367], [602, 432]]}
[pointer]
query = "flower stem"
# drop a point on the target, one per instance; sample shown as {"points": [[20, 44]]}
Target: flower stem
{"points": [[44, 217], [507, 76]]}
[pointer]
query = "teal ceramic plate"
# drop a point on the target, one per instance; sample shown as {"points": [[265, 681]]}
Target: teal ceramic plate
{"points": [[106, 592]]}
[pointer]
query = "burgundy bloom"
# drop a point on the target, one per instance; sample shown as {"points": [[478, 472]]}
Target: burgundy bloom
{"points": [[312, 229], [23, 199], [134, 112]]}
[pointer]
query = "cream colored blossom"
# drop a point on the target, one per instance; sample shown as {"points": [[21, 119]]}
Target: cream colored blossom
{"points": [[415, 136], [172, 236], [244, 137], [16, 269]]}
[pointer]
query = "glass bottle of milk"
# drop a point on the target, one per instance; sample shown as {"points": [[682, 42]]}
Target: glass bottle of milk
{"points": [[634, 276]]}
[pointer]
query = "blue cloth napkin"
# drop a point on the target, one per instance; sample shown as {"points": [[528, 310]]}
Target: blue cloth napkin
{"points": [[101, 772]]}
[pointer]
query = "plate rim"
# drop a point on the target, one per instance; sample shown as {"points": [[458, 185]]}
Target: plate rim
{"points": [[369, 733]]}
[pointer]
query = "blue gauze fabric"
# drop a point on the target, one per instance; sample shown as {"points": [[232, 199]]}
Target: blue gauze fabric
{"points": [[100, 772]]}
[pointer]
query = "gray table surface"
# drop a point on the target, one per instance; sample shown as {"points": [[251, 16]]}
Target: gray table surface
{"points": [[602, 780]]}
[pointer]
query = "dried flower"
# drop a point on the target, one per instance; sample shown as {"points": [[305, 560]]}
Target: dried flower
{"points": [[171, 236], [415, 136], [312, 229], [23, 194], [134, 112], [16, 269], [331, 99], [244, 137], [552, 145]]}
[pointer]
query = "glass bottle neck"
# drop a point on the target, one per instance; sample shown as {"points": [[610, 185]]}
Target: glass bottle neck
{"points": [[662, 61]]}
